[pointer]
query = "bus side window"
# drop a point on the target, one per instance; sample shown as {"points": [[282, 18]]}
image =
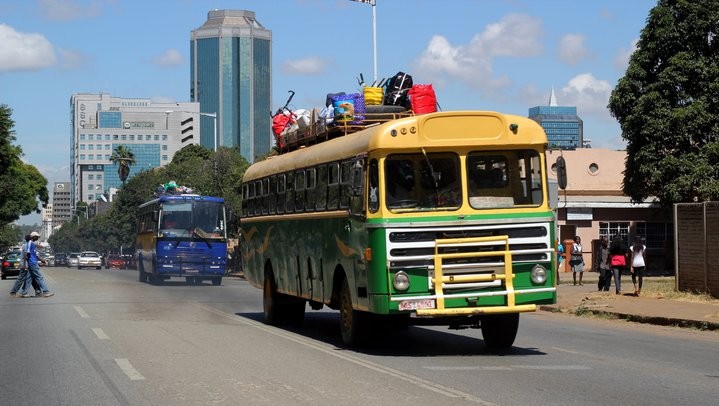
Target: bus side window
{"points": [[300, 191], [290, 193], [321, 191], [333, 189], [245, 199], [258, 198], [281, 189], [310, 192], [251, 198], [265, 195], [272, 196], [345, 184], [373, 186]]}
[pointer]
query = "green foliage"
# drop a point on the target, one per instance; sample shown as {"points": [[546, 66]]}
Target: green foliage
{"points": [[206, 172], [667, 105], [21, 184], [10, 234], [125, 158]]}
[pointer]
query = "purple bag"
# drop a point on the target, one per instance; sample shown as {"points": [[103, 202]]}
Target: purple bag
{"points": [[349, 108]]}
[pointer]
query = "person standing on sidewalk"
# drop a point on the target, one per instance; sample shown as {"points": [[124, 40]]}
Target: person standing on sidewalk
{"points": [[602, 265], [576, 260], [21, 278], [639, 263], [617, 260], [33, 268]]}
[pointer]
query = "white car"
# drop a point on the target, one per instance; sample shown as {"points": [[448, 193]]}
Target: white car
{"points": [[89, 259], [72, 258]]}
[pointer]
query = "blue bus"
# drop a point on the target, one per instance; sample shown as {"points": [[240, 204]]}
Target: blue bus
{"points": [[182, 236]]}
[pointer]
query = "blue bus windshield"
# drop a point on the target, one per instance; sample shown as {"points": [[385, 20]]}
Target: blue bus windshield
{"points": [[197, 218]]}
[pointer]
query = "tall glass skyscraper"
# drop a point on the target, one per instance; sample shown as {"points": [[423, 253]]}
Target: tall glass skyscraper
{"points": [[230, 73], [563, 126]]}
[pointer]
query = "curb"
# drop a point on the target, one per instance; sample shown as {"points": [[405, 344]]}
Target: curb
{"points": [[655, 320]]}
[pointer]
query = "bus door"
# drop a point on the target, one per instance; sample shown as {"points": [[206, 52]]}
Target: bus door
{"points": [[356, 229]]}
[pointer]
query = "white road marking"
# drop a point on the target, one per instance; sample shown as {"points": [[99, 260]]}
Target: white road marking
{"points": [[553, 367], [562, 349], [100, 334], [128, 369], [331, 350], [512, 368], [82, 313]]}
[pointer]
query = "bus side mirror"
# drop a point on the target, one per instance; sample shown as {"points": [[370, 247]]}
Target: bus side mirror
{"points": [[561, 173]]}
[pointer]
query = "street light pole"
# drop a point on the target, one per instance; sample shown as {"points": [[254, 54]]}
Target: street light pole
{"points": [[373, 3], [214, 121]]}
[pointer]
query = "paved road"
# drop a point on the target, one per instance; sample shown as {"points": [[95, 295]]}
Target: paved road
{"points": [[106, 339]]}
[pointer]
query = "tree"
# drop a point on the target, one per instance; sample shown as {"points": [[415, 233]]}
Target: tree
{"points": [[21, 184], [667, 105], [125, 158]]}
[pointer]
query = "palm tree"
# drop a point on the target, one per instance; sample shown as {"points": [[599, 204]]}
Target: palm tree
{"points": [[125, 158]]}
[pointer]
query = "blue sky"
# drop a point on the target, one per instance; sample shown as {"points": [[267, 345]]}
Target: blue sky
{"points": [[503, 55]]}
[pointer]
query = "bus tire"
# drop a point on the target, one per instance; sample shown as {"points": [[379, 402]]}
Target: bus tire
{"points": [[353, 323], [500, 330], [215, 281], [271, 301]]}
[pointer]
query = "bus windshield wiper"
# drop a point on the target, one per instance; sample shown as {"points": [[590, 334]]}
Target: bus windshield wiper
{"points": [[432, 174]]}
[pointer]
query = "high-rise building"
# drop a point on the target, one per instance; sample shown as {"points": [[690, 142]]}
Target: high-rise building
{"points": [[563, 126], [61, 203], [230, 76], [153, 131]]}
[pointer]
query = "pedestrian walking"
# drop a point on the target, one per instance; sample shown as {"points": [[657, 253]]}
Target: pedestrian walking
{"points": [[618, 260], [21, 278], [602, 265], [639, 263], [33, 268], [560, 258], [576, 260]]}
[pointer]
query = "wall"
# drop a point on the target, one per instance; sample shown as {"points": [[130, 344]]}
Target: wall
{"points": [[697, 247]]}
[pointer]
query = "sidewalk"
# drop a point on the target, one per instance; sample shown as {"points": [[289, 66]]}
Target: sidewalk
{"points": [[649, 308]]}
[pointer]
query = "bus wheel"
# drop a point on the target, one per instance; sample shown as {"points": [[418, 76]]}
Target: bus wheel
{"points": [[217, 281], [271, 301], [500, 330], [353, 323]]}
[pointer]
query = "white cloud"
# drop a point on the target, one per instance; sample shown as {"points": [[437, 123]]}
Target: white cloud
{"points": [[572, 49], [24, 51], [68, 10], [589, 94], [515, 35], [621, 60], [170, 57], [306, 66]]}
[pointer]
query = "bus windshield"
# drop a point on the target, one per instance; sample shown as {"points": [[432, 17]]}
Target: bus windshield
{"points": [[193, 218], [500, 179], [421, 181]]}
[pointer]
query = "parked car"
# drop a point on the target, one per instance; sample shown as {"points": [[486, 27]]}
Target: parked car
{"points": [[88, 259], [115, 261], [11, 263], [72, 258], [61, 259]]}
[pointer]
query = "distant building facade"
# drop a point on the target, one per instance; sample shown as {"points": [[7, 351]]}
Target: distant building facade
{"points": [[153, 131], [230, 76], [62, 203], [563, 126], [593, 205]]}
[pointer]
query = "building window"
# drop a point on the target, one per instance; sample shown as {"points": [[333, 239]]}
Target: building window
{"points": [[655, 235], [164, 137], [164, 147], [90, 177], [132, 137], [91, 156], [164, 157], [90, 167], [123, 137], [82, 146], [98, 146], [90, 146], [89, 137], [90, 197], [147, 137], [82, 137], [107, 137], [115, 137], [99, 176], [157, 137], [90, 187], [82, 156], [107, 157], [613, 228]]}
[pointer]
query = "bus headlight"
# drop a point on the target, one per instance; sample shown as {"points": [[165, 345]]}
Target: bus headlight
{"points": [[539, 274], [401, 281]]}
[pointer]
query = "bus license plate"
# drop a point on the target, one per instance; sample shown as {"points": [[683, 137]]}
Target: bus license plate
{"points": [[416, 304]]}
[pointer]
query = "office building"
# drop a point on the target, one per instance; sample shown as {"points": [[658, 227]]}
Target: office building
{"points": [[563, 126], [230, 74], [153, 131], [62, 203]]}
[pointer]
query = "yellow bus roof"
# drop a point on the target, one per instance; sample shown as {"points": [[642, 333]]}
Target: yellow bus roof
{"points": [[439, 131]]}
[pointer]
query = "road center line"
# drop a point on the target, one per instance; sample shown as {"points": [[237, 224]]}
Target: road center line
{"points": [[562, 349], [331, 350], [100, 334], [81, 312], [128, 369]]}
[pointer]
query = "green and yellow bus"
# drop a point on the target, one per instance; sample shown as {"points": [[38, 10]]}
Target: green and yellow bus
{"points": [[438, 219]]}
